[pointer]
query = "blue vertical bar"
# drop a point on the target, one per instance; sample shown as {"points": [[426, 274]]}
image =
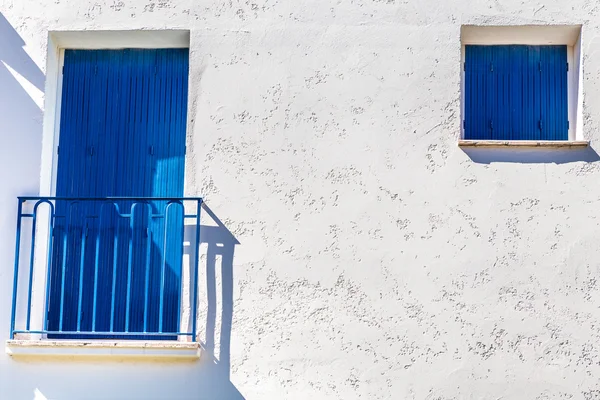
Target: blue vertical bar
{"points": [[49, 266], [96, 261], [564, 101], [122, 150], [492, 93], [114, 279], [554, 100], [129, 265], [528, 124], [81, 270], [551, 91], [16, 270], [170, 223], [468, 73], [64, 263], [503, 109], [31, 260], [473, 106], [163, 267], [196, 270], [553, 94], [516, 61], [545, 71], [147, 277], [537, 80]]}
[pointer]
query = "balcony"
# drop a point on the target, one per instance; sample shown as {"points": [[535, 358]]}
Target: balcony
{"points": [[117, 268]]}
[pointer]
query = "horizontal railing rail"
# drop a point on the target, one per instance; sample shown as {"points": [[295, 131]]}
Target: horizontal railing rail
{"points": [[113, 266]]}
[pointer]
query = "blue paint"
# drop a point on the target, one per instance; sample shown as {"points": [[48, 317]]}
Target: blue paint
{"points": [[516, 93], [73, 324], [13, 312], [123, 123]]}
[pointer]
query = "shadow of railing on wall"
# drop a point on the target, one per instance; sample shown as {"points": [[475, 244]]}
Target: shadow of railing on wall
{"points": [[221, 244]]}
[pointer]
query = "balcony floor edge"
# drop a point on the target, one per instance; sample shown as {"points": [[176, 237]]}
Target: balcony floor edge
{"points": [[148, 350]]}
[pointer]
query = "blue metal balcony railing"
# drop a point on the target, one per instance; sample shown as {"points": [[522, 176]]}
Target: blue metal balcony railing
{"points": [[112, 268]]}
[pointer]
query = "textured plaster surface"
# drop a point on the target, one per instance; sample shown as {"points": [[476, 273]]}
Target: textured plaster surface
{"points": [[377, 259]]}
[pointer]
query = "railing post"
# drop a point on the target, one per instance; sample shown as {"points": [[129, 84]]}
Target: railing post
{"points": [[196, 268], [49, 266], [129, 265], [69, 209], [16, 272], [31, 262]]}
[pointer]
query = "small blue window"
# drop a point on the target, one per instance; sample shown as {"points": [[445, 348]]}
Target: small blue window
{"points": [[516, 92]]}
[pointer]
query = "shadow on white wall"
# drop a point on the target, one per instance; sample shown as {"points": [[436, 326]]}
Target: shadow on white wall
{"points": [[220, 244], [531, 156], [20, 155], [20, 146]]}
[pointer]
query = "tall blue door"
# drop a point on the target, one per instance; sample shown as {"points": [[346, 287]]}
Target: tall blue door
{"points": [[116, 266]]}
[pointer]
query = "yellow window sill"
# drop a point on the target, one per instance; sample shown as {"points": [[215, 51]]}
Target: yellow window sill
{"points": [[160, 350], [524, 143]]}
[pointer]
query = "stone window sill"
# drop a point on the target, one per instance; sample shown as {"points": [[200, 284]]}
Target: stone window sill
{"points": [[164, 350], [525, 143]]}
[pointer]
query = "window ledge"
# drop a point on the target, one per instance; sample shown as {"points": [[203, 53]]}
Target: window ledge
{"points": [[524, 143], [94, 348]]}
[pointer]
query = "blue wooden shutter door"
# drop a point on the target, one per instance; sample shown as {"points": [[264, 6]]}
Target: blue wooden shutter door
{"points": [[516, 92], [122, 133]]}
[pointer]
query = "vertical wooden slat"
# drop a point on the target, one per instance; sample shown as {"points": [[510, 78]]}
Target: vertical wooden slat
{"points": [[516, 92], [121, 103]]}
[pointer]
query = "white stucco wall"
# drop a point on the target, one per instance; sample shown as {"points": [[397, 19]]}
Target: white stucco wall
{"points": [[376, 258]]}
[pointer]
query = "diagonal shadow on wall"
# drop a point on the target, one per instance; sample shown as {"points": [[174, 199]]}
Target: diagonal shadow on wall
{"points": [[20, 138], [20, 121], [20, 153]]}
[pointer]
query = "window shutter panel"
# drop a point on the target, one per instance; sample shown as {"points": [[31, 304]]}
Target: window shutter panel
{"points": [[516, 92], [123, 123]]}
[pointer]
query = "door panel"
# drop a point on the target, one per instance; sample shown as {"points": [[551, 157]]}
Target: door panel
{"points": [[122, 133]]}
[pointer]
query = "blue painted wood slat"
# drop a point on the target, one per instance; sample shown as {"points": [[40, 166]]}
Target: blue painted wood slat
{"points": [[122, 133], [516, 92]]}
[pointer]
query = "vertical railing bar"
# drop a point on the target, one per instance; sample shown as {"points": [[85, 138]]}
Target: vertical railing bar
{"points": [[129, 265], [16, 271], [178, 328], [182, 208], [64, 264], [81, 269], [162, 272], [49, 266], [31, 260], [196, 269], [147, 279], [114, 280], [96, 262], [148, 255]]}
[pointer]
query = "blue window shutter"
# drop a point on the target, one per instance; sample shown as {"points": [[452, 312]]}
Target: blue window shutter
{"points": [[123, 124], [517, 88], [553, 87], [476, 110], [531, 89], [516, 93]]}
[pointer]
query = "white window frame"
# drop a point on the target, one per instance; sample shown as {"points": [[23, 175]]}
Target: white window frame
{"points": [[569, 35]]}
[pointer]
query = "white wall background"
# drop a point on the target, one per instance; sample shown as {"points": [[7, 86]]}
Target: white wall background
{"points": [[377, 260]]}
